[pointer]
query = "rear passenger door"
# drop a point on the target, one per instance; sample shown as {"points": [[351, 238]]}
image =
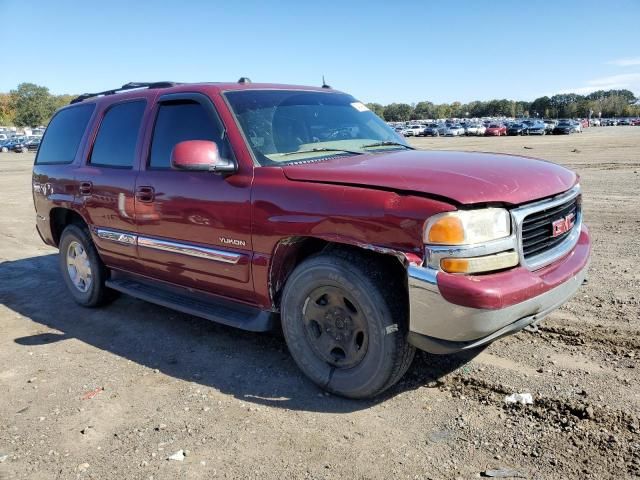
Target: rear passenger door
{"points": [[106, 182], [193, 226]]}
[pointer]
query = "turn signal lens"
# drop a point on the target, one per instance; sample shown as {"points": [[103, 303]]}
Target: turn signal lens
{"points": [[468, 227], [488, 263], [446, 230]]}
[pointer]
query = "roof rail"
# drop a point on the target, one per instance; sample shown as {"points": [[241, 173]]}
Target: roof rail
{"points": [[126, 86]]}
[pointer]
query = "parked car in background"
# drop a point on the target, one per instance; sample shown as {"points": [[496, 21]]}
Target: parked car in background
{"points": [[517, 129], [9, 144], [564, 127], [28, 145], [413, 131], [454, 130], [434, 130], [577, 126], [496, 130], [624, 121], [635, 122], [474, 129], [549, 125], [536, 127]]}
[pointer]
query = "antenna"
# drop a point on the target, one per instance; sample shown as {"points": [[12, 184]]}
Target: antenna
{"points": [[324, 84]]}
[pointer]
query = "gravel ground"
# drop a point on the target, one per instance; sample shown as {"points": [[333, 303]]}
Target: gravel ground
{"points": [[112, 393]]}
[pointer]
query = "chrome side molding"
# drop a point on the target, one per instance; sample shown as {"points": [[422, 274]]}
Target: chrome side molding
{"points": [[125, 238], [190, 250]]}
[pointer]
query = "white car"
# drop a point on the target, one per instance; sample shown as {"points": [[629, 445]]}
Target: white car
{"points": [[454, 131], [577, 126], [413, 131], [475, 129]]}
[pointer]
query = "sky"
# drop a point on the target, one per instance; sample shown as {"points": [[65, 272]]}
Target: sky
{"points": [[379, 51]]}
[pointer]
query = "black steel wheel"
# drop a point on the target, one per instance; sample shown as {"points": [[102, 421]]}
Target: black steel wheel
{"points": [[345, 326]]}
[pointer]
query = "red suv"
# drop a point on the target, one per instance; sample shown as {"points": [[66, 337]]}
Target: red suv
{"points": [[259, 205]]}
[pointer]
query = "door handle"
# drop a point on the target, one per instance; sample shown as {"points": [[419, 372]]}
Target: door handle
{"points": [[145, 194], [85, 188]]}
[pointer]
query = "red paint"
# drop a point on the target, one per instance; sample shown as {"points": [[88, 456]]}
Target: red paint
{"points": [[466, 178], [194, 154], [496, 131], [500, 290], [377, 202]]}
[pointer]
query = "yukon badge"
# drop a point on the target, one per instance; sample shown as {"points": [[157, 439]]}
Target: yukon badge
{"points": [[233, 241]]}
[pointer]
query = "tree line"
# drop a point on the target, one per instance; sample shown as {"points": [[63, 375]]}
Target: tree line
{"points": [[31, 105], [609, 103]]}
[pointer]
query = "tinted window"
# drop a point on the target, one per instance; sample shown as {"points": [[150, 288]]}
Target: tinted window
{"points": [[180, 121], [115, 145], [63, 135]]}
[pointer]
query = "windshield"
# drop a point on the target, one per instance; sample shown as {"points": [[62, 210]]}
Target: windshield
{"points": [[293, 125]]}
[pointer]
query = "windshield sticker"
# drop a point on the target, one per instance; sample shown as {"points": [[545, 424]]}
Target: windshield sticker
{"points": [[361, 107]]}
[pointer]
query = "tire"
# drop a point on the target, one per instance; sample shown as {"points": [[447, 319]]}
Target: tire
{"points": [[336, 300], [94, 292]]}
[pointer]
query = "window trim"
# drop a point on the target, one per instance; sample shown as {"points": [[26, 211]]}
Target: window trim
{"points": [[211, 110], [82, 137], [98, 127]]}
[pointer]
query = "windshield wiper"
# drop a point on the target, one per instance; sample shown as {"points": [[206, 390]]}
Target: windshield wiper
{"points": [[321, 149], [387, 143]]}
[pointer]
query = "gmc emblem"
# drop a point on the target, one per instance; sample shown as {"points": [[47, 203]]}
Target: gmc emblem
{"points": [[563, 225]]}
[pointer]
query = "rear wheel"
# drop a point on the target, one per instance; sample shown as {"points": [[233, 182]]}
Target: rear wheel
{"points": [[345, 330], [82, 269]]}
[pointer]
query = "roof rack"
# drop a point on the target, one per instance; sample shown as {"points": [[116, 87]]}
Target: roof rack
{"points": [[126, 86]]}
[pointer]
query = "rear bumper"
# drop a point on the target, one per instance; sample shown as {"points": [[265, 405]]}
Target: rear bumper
{"points": [[438, 325]]}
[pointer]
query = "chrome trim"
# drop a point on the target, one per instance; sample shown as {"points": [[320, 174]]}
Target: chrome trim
{"points": [[115, 236], [541, 260], [430, 314], [435, 253], [190, 250]]}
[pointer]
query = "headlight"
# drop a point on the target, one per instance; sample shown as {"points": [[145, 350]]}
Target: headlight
{"points": [[464, 227]]}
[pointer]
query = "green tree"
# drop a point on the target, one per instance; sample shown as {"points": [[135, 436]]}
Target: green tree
{"points": [[397, 112], [34, 105], [376, 108], [424, 110], [7, 110]]}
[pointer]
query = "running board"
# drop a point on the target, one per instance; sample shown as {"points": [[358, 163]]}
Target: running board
{"points": [[183, 300]]}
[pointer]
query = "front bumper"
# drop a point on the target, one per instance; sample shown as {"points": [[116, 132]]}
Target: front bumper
{"points": [[438, 325]]}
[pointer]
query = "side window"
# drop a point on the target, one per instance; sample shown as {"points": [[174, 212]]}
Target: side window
{"points": [[63, 135], [115, 145], [178, 121]]}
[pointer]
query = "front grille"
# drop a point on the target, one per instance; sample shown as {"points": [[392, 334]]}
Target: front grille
{"points": [[537, 228]]}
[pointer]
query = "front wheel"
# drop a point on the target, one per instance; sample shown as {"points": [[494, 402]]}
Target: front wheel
{"points": [[82, 269], [344, 328]]}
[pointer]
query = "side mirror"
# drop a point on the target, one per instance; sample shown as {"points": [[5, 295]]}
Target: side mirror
{"points": [[200, 155]]}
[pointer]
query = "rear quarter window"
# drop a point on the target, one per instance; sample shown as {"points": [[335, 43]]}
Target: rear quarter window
{"points": [[63, 135]]}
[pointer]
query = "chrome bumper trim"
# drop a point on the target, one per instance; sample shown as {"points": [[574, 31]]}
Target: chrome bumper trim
{"points": [[432, 315]]}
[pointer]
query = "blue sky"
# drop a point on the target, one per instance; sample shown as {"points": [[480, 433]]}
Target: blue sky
{"points": [[380, 51]]}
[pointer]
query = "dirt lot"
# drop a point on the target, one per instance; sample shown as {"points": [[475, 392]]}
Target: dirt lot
{"points": [[237, 404]]}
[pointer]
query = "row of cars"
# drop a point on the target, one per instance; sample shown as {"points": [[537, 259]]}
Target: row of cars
{"points": [[20, 144], [493, 128]]}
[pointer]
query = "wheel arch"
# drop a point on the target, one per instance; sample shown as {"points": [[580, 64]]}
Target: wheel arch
{"points": [[60, 218], [292, 251]]}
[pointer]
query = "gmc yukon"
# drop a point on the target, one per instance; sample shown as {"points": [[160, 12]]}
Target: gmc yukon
{"points": [[272, 206]]}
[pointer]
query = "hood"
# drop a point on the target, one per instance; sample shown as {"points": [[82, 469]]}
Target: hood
{"points": [[464, 177]]}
